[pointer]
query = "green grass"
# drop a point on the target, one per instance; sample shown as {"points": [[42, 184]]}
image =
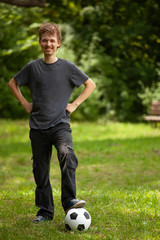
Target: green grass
{"points": [[118, 176]]}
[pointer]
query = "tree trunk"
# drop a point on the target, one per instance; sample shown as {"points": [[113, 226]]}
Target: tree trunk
{"points": [[26, 3]]}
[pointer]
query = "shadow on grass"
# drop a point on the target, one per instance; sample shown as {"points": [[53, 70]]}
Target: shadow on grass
{"points": [[14, 148], [103, 163], [99, 146]]}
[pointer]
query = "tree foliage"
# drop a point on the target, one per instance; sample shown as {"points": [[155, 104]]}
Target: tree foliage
{"points": [[126, 48], [25, 3], [115, 42], [18, 40]]}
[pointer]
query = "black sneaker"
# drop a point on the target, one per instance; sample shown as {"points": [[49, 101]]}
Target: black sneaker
{"points": [[40, 219], [75, 203]]}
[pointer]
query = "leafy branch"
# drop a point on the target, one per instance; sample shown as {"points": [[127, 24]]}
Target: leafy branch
{"points": [[25, 3]]}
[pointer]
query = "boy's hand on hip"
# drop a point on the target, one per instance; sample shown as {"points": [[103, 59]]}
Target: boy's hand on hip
{"points": [[28, 107], [71, 107]]}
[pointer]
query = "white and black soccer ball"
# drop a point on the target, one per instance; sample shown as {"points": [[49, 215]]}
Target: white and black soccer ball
{"points": [[77, 219]]}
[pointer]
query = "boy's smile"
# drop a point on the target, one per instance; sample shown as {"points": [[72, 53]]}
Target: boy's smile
{"points": [[49, 44]]}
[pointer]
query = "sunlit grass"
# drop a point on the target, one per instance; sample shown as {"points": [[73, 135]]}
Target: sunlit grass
{"points": [[118, 176]]}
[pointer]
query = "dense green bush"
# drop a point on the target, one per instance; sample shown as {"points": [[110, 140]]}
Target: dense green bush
{"points": [[149, 95], [19, 45], [115, 42], [126, 50]]}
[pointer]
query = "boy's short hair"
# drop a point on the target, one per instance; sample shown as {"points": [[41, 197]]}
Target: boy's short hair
{"points": [[51, 28]]}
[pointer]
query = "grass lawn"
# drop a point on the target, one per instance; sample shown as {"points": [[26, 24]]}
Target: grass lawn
{"points": [[118, 176]]}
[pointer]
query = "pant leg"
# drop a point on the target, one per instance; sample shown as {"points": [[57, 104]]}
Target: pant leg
{"points": [[42, 150], [68, 162]]}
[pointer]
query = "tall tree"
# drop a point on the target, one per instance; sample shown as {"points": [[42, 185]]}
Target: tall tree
{"points": [[25, 3]]}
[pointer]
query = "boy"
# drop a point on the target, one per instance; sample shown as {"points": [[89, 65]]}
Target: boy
{"points": [[51, 81]]}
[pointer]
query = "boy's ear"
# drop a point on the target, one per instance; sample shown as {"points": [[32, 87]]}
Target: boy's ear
{"points": [[59, 43]]}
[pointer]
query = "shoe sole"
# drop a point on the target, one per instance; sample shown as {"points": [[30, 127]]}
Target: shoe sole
{"points": [[79, 204]]}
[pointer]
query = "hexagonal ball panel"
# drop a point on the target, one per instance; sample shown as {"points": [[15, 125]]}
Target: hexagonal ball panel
{"points": [[67, 227], [73, 215], [86, 215], [81, 227]]}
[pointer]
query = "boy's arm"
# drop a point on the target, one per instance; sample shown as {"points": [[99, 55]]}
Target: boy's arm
{"points": [[89, 87], [13, 85]]}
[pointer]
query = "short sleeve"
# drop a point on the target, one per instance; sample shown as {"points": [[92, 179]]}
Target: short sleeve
{"points": [[77, 76], [22, 77]]}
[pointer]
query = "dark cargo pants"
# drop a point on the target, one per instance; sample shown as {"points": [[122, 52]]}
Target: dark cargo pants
{"points": [[41, 142]]}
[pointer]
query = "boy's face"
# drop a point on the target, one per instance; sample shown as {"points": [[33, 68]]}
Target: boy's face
{"points": [[49, 43]]}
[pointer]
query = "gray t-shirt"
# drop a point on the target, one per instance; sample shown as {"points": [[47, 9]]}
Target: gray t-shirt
{"points": [[51, 86]]}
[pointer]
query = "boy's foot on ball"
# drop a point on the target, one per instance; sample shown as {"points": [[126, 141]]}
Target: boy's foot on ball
{"points": [[75, 203]]}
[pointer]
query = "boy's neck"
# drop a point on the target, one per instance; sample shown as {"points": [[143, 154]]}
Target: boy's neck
{"points": [[50, 59]]}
